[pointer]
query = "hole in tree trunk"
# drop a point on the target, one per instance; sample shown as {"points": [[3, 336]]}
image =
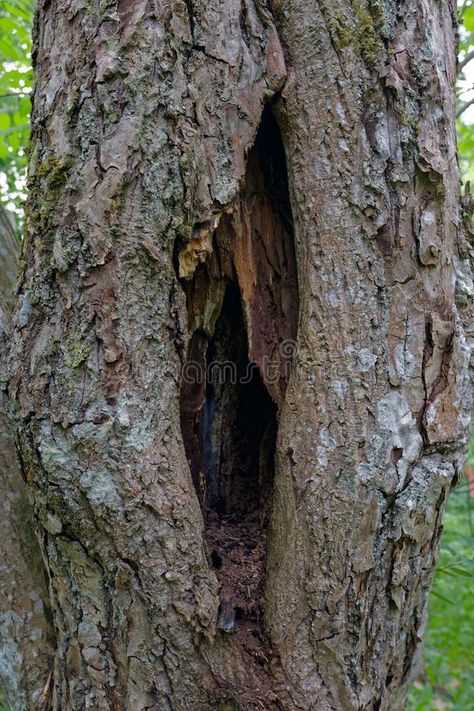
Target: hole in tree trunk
{"points": [[239, 275], [238, 423], [238, 434]]}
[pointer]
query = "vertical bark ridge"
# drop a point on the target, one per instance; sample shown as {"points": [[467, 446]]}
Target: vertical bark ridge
{"points": [[361, 484]]}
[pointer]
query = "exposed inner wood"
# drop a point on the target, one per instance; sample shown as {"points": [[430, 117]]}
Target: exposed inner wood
{"points": [[242, 298]]}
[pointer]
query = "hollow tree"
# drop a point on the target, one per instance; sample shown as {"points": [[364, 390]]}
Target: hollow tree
{"points": [[238, 369]]}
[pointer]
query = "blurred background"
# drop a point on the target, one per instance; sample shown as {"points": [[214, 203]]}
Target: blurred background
{"points": [[447, 679]]}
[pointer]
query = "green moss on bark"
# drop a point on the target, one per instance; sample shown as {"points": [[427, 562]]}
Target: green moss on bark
{"points": [[45, 192], [76, 352], [367, 26], [370, 41]]}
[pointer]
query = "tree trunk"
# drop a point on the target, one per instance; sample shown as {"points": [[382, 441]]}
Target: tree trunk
{"points": [[25, 631], [238, 368]]}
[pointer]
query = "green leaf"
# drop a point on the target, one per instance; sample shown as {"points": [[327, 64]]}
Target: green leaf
{"points": [[462, 572], [468, 19], [13, 129], [442, 597], [15, 84]]}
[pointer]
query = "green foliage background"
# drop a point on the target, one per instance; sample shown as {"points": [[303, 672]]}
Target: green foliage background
{"points": [[465, 91], [16, 79], [447, 681]]}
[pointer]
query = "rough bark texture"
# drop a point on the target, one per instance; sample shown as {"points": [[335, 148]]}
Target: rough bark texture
{"points": [[144, 118], [25, 631]]}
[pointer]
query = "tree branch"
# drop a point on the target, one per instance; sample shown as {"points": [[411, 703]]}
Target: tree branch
{"points": [[466, 60], [464, 107]]}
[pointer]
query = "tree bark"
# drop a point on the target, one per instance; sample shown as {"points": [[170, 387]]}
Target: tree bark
{"points": [[267, 543], [26, 650]]}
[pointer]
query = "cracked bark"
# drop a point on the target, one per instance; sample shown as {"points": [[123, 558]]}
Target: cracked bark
{"points": [[26, 634], [144, 118]]}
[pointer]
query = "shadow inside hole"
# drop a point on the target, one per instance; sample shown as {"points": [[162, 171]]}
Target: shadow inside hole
{"points": [[242, 305], [238, 422]]}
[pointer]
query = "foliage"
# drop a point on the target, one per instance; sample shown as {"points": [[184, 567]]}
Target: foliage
{"points": [[465, 90], [447, 682], [16, 81]]}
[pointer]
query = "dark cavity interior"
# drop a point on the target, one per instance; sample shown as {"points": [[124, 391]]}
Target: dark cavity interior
{"points": [[243, 307], [238, 423]]}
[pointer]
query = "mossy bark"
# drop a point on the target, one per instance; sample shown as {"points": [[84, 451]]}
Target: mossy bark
{"points": [[144, 115]]}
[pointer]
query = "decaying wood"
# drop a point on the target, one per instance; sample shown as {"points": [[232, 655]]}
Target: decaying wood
{"points": [[26, 635], [144, 118]]}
